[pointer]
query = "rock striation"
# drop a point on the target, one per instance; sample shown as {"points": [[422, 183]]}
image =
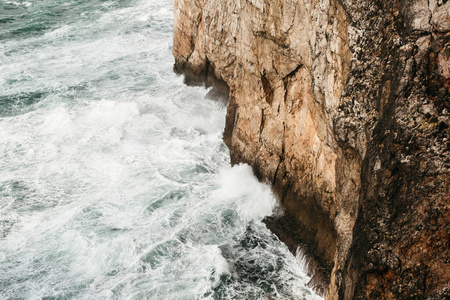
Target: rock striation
{"points": [[343, 106]]}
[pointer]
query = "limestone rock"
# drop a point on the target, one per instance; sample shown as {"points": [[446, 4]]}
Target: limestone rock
{"points": [[342, 106], [441, 18]]}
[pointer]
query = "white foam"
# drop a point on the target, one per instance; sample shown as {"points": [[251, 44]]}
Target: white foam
{"points": [[302, 259], [26, 4], [59, 32], [110, 114], [255, 199], [221, 265], [56, 121]]}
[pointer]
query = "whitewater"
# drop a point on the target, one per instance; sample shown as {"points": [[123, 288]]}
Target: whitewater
{"points": [[114, 180]]}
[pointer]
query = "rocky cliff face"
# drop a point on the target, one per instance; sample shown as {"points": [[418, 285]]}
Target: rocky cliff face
{"points": [[344, 107]]}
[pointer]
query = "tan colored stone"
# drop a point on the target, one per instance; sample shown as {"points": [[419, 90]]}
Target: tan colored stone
{"points": [[441, 18], [286, 81], [344, 112]]}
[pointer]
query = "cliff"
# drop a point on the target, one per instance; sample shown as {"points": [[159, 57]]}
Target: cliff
{"points": [[344, 107]]}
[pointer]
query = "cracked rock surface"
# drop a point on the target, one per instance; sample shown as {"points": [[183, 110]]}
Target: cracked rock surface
{"points": [[344, 107]]}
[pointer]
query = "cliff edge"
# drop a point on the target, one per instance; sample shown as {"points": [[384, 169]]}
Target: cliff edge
{"points": [[344, 107]]}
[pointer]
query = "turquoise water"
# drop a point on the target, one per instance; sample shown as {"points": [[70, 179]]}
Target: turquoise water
{"points": [[114, 180]]}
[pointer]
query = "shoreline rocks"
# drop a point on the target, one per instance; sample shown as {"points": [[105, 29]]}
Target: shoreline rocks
{"points": [[343, 106]]}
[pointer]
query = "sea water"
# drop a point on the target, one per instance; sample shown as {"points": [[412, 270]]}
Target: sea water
{"points": [[114, 180]]}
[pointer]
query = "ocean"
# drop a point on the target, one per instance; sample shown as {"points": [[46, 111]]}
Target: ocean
{"points": [[114, 180]]}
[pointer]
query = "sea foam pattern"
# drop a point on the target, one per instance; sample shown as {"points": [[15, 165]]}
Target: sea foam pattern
{"points": [[114, 180]]}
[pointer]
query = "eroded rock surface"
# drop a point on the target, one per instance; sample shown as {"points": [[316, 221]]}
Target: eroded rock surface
{"points": [[344, 107]]}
